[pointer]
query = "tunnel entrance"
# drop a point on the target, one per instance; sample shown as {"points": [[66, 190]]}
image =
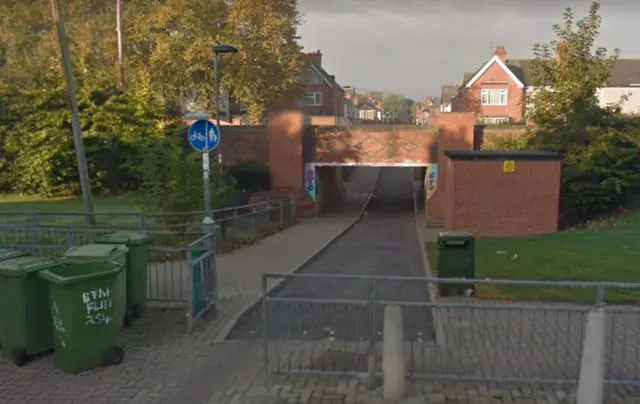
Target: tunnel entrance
{"points": [[327, 184]]}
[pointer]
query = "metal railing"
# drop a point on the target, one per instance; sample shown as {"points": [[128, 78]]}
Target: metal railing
{"points": [[145, 221], [337, 329], [170, 267]]}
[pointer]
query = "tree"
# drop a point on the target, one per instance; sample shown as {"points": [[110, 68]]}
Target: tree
{"points": [[565, 75], [269, 58], [602, 150], [398, 109]]}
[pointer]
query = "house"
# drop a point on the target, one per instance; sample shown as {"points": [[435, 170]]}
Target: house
{"points": [[496, 91], [369, 110], [323, 100], [446, 95], [351, 107]]}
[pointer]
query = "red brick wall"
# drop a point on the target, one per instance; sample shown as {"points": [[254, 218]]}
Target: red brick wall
{"points": [[375, 144], [285, 149], [455, 132], [244, 143], [330, 98], [471, 101], [484, 200]]}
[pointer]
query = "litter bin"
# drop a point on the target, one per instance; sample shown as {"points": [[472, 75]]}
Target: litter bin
{"points": [[105, 253], [83, 300], [25, 326], [137, 267], [7, 254], [456, 259]]}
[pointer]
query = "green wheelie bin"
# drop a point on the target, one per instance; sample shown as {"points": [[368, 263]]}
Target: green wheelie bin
{"points": [[105, 253], [7, 254], [137, 267], [25, 326], [84, 300]]}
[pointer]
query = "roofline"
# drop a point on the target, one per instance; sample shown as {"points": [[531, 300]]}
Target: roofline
{"points": [[316, 71], [494, 59]]}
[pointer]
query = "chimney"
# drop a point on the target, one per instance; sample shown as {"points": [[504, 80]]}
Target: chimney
{"points": [[501, 53], [559, 49], [315, 57]]}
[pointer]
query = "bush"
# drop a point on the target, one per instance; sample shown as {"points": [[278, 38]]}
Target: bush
{"points": [[172, 179], [38, 151], [250, 176]]}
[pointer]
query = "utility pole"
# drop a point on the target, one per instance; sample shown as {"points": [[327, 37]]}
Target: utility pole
{"points": [[58, 16], [121, 82]]}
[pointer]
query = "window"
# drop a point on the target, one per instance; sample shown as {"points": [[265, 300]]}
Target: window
{"points": [[495, 119], [314, 99], [494, 96]]}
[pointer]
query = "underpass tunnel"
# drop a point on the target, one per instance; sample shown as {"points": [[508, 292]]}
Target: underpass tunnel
{"points": [[344, 188]]}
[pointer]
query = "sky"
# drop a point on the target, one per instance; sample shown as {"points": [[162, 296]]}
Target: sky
{"points": [[414, 47]]}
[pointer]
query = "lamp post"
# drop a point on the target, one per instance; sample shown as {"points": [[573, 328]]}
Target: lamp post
{"points": [[219, 49]]}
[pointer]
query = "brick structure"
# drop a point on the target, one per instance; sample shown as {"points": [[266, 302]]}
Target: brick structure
{"points": [[244, 143], [455, 132], [485, 200], [374, 144], [495, 92]]}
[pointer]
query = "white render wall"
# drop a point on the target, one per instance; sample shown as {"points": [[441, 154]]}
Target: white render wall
{"points": [[612, 95]]}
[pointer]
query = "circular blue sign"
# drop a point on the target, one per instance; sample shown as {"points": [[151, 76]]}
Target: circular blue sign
{"points": [[432, 175], [203, 135]]}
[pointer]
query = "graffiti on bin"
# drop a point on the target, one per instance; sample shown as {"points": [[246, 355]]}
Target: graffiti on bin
{"points": [[98, 302], [58, 325]]}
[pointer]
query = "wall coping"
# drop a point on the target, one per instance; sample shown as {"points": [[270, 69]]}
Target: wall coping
{"points": [[503, 155]]}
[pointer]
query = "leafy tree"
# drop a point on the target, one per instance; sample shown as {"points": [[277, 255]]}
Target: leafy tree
{"points": [[602, 154], [269, 58], [565, 75], [397, 108]]}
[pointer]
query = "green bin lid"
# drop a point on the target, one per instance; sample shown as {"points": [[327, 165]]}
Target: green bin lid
{"points": [[130, 238], [26, 265], [96, 251], [8, 253], [455, 235], [71, 274]]}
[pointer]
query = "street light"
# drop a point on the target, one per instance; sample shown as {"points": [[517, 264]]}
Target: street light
{"points": [[220, 49]]}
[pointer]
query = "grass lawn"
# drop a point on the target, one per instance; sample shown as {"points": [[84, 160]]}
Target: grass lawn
{"points": [[604, 252], [56, 211]]}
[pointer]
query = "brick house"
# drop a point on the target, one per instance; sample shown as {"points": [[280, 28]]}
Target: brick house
{"points": [[496, 92], [324, 98]]}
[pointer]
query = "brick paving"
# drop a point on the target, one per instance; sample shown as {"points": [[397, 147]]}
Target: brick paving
{"points": [[163, 364]]}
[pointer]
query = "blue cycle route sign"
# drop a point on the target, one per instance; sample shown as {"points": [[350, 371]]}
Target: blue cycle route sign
{"points": [[203, 135]]}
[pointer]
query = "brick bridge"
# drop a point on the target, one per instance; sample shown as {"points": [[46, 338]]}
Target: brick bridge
{"points": [[468, 198]]}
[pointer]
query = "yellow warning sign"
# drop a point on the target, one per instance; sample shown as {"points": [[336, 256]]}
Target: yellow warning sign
{"points": [[509, 166]]}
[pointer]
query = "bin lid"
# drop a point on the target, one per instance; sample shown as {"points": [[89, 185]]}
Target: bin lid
{"points": [[455, 235], [71, 274], [130, 238], [26, 265], [96, 251], [8, 253]]}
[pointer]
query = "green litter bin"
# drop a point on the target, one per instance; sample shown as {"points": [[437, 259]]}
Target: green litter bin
{"points": [[105, 253], [25, 326], [137, 267], [456, 260], [84, 307], [7, 254]]}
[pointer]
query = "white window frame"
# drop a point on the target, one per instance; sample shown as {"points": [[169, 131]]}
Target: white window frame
{"points": [[314, 99], [487, 95]]}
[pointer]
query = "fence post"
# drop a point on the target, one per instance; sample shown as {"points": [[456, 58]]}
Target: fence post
{"points": [[393, 354], [600, 295], [34, 219], [265, 334], [142, 222], [371, 360], [591, 384], [281, 212]]}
